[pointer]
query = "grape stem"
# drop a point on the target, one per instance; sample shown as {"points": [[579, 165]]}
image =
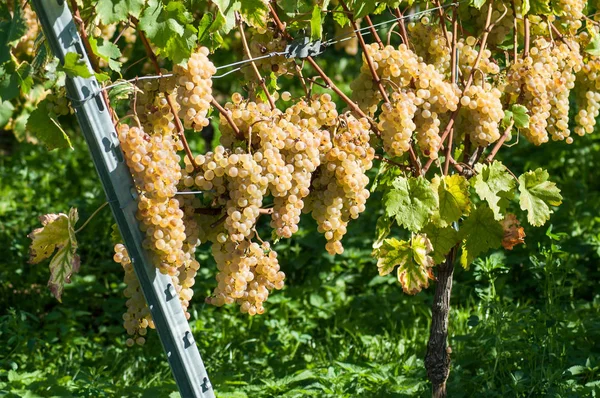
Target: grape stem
{"points": [[403, 32], [527, 39], [252, 63], [91, 55], [443, 22], [373, 31], [515, 31], [500, 142], [179, 126], [560, 36], [102, 206], [363, 45], [227, 117], [391, 162], [489, 25]]}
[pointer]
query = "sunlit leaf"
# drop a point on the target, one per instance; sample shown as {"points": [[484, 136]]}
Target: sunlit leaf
{"points": [[480, 232], [411, 202], [537, 195], [57, 234], [494, 184]]}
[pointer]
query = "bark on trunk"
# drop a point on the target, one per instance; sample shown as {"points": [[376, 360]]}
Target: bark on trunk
{"points": [[437, 360]]}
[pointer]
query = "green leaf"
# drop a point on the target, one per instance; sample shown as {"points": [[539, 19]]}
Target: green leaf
{"points": [[340, 16], [169, 28], [107, 51], [382, 230], [363, 8], [520, 116], [386, 175], [412, 202], [57, 234], [480, 232], [12, 29], [442, 240], [508, 116], [413, 261], [593, 48], [75, 66], [6, 112], [537, 195], [536, 7], [9, 81], [477, 3], [254, 12], [316, 25], [495, 185], [113, 11], [46, 129], [453, 198]]}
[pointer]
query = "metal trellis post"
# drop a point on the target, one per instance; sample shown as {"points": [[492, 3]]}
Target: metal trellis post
{"points": [[99, 132]]}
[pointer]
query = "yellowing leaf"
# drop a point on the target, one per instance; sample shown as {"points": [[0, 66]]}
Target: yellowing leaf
{"points": [[480, 232], [494, 184], [411, 202], [413, 261], [453, 197], [58, 234], [537, 195]]}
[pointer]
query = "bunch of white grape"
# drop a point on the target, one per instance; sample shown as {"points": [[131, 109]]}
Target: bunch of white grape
{"points": [[588, 98], [338, 191], [396, 122], [481, 114], [430, 43], [194, 89]]}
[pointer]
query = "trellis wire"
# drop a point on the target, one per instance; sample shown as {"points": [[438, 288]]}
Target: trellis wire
{"points": [[337, 39]]}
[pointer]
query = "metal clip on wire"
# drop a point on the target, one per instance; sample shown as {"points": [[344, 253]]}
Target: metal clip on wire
{"points": [[303, 48]]}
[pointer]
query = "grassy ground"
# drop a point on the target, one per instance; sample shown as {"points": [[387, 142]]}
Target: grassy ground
{"points": [[522, 324]]}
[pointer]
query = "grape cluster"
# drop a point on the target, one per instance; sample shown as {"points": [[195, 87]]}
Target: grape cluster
{"points": [[57, 104], [151, 106], [588, 98], [542, 82], [247, 273], [430, 43], [26, 46], [406, 75], [194, 89], [467, 55], [262, 42], [571, 12], [396, 122], [502, 26], [137, 318], [338, 190], [481, 114]]}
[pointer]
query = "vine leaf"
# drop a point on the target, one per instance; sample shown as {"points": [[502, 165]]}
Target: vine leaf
{"points": [[537, 195], [114, 11], [442, 240], [254, 12], [495, 185], [453, 197], [169, 28], [413, 261], [382, 229], [75, 66], [520, 116], [411, 201], [107, 51], [514, 234], [45, 128], [316, 24], [480, 232], [57, 234], [12, 28], [593, 48]]}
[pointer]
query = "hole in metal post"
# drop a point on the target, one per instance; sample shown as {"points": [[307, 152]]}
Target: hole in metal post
{"points": [[99, 103]]}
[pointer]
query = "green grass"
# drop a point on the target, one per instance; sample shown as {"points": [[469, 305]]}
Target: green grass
{"points": [[524, 324]]}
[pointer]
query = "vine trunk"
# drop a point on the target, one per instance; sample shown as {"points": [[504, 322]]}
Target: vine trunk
{"points": [[437, 359]]}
